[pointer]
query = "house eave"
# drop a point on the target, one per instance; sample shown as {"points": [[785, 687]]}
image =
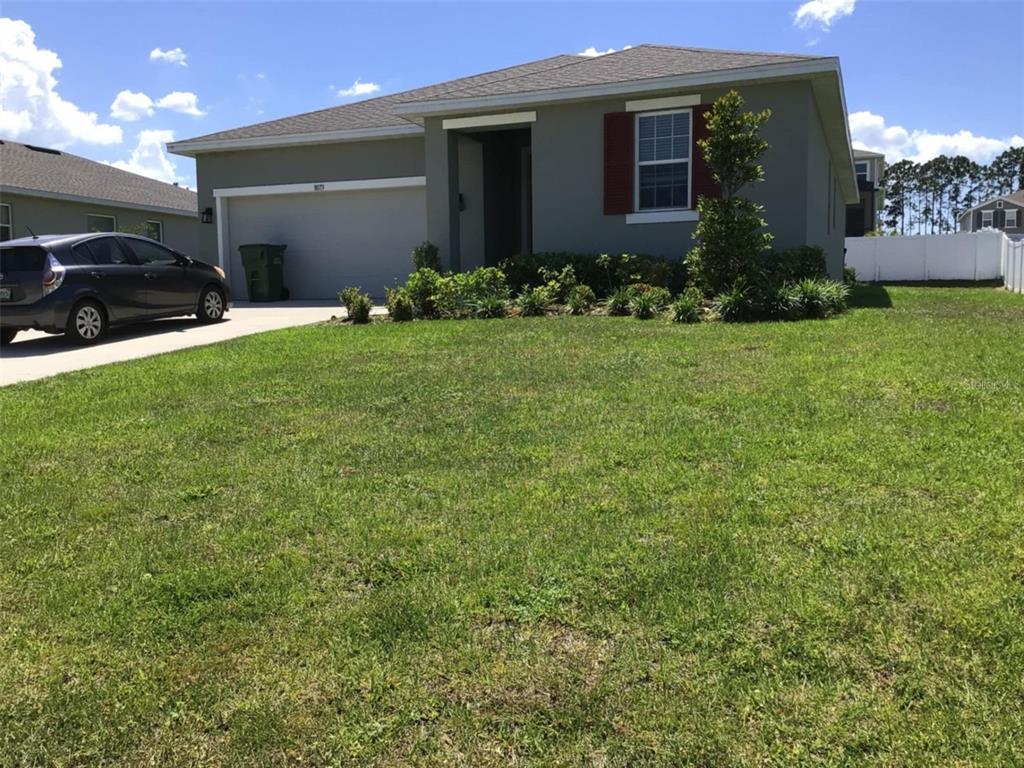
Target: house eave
{"points": [[433, 107], [103, 201], [191, 148]]}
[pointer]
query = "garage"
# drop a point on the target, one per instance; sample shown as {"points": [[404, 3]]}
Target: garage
{"points": [[338, 233]]}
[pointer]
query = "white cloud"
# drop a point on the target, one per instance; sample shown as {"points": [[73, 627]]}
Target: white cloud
{"points": [[173, 56], [592, 51], [30, 107], [823, 13], [181, 101], [129, 106], [869, 131], [358, 88], [150, 158]]}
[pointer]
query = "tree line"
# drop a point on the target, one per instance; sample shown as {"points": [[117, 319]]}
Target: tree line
{"points": [[927, 198]]}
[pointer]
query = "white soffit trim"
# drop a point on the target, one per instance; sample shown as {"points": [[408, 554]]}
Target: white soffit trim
{"points": [[485, 121], [352, 185], [661, 217], [669, 102]]}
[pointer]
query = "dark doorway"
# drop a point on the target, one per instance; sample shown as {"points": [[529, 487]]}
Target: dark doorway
{"points": [[508, 194]]}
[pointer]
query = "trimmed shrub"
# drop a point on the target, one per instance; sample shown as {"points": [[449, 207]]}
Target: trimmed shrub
{"points": [[535, 301], [425, 256], [604, 273], [644, 305], [687, 308], [580, 300], [399, 305], [559, 281], [357, 304], [618, 302], [660, 296], [424, 287], [472, 290], [795, 264], [737, 304]]}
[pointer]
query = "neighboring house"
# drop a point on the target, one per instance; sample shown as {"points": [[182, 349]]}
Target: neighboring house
{"points": [[52, 192], [568, 153], [866, 214], [1005, 213]]}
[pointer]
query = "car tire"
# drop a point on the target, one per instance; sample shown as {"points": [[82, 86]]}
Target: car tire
{"points": [[7, 336], [87, 322], [211, 305]]}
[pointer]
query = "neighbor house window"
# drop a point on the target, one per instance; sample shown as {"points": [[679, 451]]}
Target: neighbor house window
{"points": [[1011, 219], [6, 222], [986, 218], [663, 160], [862, 171], [95, 222], [155, 230]]}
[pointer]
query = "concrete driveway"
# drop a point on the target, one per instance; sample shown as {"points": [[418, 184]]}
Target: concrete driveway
{"points": [[36, 355]]}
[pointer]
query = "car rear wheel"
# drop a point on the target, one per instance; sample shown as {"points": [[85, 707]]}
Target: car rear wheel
{"points": [[211, 305], [7, 336], [87, 323]]}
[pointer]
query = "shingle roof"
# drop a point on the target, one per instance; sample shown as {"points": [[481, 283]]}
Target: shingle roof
{"points": [[563, 71], [49, 170], [376, 112]]}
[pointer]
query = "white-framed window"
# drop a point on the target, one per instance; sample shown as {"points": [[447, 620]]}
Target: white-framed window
{"points": [[986, 218], [99, 222], [663, 174], [863, 169], [6, 222], [155, 230], [1011, 219]]}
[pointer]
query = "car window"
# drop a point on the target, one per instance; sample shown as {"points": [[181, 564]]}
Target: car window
{"points": [[103, 250], [151, 253]]}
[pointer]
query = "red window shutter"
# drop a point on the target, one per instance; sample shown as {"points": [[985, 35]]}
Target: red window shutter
{"points": [[704, 185], [618, 163]]}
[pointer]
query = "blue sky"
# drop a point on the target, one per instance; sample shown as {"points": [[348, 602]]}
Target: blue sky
{"points": [[921, 78]]}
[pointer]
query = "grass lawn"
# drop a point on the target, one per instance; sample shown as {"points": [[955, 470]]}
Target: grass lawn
{"points": [[560, 541]]}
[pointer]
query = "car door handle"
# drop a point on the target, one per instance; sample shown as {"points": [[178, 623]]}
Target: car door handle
{"points": [[150, 275], [97, 273]]}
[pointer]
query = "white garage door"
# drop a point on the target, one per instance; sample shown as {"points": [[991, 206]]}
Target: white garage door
{"points": [[335, 239]]}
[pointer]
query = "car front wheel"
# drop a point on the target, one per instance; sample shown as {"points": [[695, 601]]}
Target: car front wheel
{"points": [[211, 305], [87, 323]]}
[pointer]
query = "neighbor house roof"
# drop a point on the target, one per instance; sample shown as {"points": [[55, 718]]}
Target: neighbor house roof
{"points": [[643, 62], [864, 154], [1017, 198], [30, 170]]}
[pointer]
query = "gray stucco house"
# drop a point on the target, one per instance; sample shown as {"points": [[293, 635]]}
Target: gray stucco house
{"points": [[865, 215], [568, 153], [1005, 213], [49, 191]]}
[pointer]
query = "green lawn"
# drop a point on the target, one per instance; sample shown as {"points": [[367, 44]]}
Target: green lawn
{"points": [[553, 541]]}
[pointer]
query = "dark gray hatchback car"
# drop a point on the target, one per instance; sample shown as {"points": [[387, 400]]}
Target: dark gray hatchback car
{"points": [[82, 284]]}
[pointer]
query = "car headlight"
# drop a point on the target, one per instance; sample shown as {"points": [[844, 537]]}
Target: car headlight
{"points": [[220, 272]]}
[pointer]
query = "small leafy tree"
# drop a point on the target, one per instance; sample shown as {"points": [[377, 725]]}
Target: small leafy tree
{"points": [[731, 235]]}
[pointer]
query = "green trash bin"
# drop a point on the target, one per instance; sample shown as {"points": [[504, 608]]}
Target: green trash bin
{"points": [[264, 271]]}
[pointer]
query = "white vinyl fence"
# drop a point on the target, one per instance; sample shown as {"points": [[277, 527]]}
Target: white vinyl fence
{"points": [[1013, 265], [960, 256]]}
